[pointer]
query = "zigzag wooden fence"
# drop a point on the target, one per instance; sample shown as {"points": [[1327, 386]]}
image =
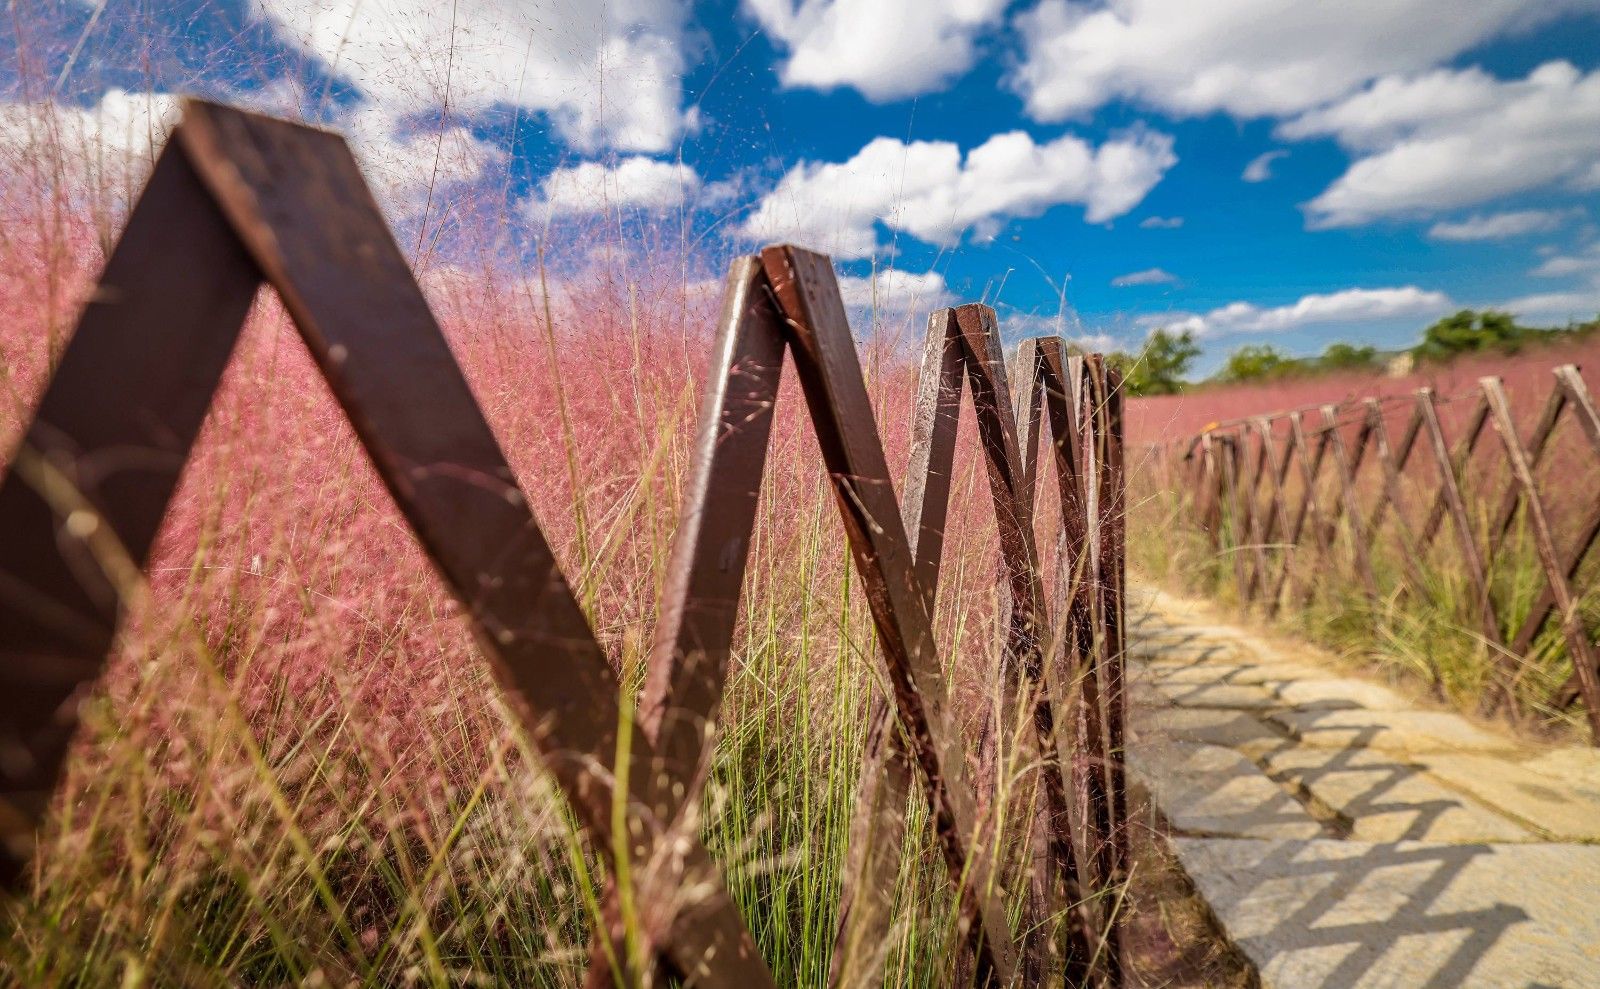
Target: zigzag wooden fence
{"points": [[238, 199], [1260, 491]]}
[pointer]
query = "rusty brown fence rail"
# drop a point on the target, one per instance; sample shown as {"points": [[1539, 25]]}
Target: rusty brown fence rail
{"points": [[1306, 498], [238, 199]]}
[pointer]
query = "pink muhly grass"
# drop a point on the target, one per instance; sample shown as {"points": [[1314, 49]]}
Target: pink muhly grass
{"points": [[297, 703]]}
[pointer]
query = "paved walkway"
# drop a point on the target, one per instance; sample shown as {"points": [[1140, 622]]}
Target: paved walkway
{"points": [[1347, 836]]}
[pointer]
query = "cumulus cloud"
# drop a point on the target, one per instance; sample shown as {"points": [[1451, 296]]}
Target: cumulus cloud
{"points": [[1586, 262], [933, 192], [1352, 305], [637, 183], [1161, 222], [1579, 301], [1094, 343], [886, 49], [1244, 57], [1499, 226], [1454, 138], [1260, 167], [897, 292], [108, 145], [406, 167], [607, 74], [112, 145], [1149, 276]]}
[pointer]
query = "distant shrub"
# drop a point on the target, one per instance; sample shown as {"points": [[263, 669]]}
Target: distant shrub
{"points": [[1258, 362], [1470, 331], [1160, 365], [1349, 357]]}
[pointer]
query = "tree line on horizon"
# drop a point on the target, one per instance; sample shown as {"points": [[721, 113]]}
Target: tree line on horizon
{"points": [[1163, 364]]}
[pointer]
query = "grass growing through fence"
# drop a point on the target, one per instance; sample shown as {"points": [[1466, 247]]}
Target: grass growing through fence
{"points": [[298, 772], [1425, 631]]}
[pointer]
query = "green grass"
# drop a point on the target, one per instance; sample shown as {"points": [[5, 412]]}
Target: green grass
{"points": [[1427, 632], [308, 779]]}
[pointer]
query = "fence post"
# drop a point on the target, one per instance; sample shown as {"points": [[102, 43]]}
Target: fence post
{"points": [[1450, 494]]}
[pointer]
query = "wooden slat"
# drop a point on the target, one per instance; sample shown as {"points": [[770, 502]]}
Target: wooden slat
{"points": [[830, 375], [1450, 492], [1060, 384], [1468, 442], [688, 664], [1211, 486], [1106, 436], [1571, 383], [297, 201], [1029, 618], [1028, 410], [1587, 533], [1408, 442], [1257, 527], [1310, 470], [1345, 468], [1278, 513], [877, 832], [1582, 652], [108, 442], [1395, 495], [1347, 464], [1076, 410], [1537, 442], [705, 571]]}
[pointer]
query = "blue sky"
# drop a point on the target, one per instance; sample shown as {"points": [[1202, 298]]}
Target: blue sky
{"points": [[1252, 170]]}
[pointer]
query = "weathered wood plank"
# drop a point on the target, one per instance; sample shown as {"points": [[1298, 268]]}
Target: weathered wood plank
{"points": [[91, 478], [1578, 645], [830, 375]]}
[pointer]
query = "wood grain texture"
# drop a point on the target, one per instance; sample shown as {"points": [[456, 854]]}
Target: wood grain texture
{"points": [[830, 375]]}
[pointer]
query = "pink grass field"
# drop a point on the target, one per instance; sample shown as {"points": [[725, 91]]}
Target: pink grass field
{"points": [[1170, 418], [283, 558]]}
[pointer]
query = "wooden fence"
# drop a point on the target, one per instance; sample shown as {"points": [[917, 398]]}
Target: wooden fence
{"points": [[238, 199], [1260, 490]]}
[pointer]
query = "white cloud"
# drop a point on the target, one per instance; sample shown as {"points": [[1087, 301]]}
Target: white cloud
{"points": [[1586, 262], [1580, 302], [1260, 167], [886, 49], [1454, 138], [897, 292], [637, 182], [1149, 276], [1352, 305], [110, 145], [1556, 308], [1499, 226], [929, 190], [406, 167], [1245, 57], [1094, 343], [608, 74], [1161, 222]]}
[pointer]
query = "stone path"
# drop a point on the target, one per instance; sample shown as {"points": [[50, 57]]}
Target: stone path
{"points": [[1347, 836]]}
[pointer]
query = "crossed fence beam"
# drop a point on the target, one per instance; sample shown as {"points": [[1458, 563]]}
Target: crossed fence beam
{"points": [[237, 200], [1226, 465]]}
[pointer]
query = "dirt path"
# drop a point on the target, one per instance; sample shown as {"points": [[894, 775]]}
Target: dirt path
{"points": [[1345, 835]]}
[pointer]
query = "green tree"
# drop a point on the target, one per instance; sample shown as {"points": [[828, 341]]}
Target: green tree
{"points": [[1161, 364], [1469, 331], [1256, 362], [1348, 357]]}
